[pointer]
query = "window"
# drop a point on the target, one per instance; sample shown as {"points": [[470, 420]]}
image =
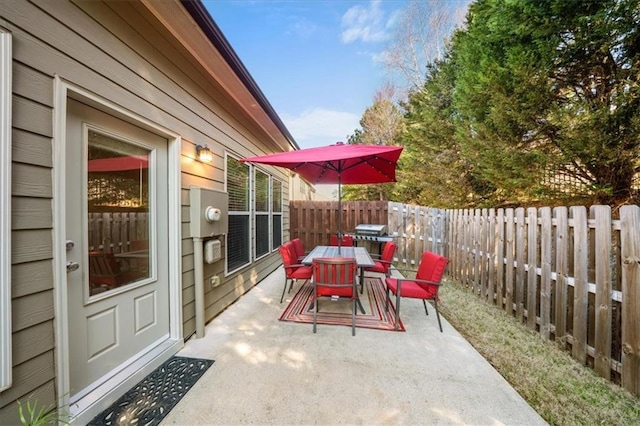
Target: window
{"points": [[261, 213], [255, 214], [238, 241], [5, 210], [276, 218]]}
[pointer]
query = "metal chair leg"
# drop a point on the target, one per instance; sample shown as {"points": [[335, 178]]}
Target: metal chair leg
{"points": [[353, 316], [284, 289], [397, 310], [315, 314], [435, 304], [424, 302]]}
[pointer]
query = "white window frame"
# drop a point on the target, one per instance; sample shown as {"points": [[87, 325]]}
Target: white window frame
{"points": [[236, 213], [255, 212], [5, 210], [274, 214]]}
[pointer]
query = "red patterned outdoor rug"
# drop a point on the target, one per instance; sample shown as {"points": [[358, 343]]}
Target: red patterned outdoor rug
{"points": [[339, 313]]}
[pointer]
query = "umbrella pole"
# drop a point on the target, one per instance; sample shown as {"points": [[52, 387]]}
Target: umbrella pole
{"points": [[339, 212]]}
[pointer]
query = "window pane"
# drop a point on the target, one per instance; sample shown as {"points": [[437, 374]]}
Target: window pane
{"points": [[277, 196], [238, 242], [238, 185], [262, 192], [117, 188], [277, 231], [262, 234]]}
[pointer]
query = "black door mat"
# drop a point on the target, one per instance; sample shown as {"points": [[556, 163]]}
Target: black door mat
{"points": [[149, 401]]}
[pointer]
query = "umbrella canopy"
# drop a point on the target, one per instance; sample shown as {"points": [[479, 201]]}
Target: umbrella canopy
{"points": [[118, 164], [340, 163]]}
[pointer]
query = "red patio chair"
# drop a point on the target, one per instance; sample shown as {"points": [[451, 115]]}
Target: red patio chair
{"points": [[383, 264], [299, 248], [335, 278], [293, 270], [347, 241], [424, 286]]}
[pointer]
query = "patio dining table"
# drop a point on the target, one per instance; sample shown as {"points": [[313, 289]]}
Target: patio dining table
{"points": [[360, 254]]}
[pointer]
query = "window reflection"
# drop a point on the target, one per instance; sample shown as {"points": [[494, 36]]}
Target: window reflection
{"points": [[118, 212]]}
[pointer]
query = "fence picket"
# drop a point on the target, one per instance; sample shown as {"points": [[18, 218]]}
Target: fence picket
{"points": [[532, 266], [602, 217], [499, 258], [546, 229], [520, 261], [509, 269], [580, 287], [491, 255], [630, 253], [562, 263]]}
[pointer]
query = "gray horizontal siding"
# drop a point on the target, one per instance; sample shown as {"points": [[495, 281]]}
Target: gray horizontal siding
{"points": [[117, 51]]}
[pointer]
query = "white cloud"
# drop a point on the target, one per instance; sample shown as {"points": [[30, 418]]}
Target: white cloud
{"points": [[318, 126], [364, 23], [302, 28]]}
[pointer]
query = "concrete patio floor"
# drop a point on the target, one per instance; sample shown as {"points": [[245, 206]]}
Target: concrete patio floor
{"points": [[269, 372]]}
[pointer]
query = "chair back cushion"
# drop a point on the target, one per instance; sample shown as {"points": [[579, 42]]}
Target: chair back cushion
{"points": [[431, 267], [286, 251], [334, 276], [298, 247], [347, 241], [388, 251]]}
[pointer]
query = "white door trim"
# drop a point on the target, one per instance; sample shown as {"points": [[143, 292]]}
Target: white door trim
{"points": [[138, 370]]}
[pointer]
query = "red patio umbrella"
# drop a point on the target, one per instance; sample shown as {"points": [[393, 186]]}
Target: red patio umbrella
{"points": [[118, 164], [340, 163]]}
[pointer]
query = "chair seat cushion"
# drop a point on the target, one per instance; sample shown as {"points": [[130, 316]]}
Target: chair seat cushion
{"points": [[379, 267], [412, 289], [335, 291], [302, 273]]}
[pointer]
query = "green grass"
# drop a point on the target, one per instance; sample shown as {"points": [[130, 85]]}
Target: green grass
{"points": [[561, 390]]}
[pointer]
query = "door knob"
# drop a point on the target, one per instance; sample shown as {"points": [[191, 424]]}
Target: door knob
{"points": [[72, 266]]}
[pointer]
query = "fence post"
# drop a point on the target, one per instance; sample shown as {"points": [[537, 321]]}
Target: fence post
{"points": [[630, 254]]}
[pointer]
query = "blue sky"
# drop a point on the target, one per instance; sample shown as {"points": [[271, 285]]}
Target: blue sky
{"points": [[316, 61]]}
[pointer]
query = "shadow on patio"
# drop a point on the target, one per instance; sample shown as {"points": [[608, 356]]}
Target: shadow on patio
{"points": [[271, 372]]}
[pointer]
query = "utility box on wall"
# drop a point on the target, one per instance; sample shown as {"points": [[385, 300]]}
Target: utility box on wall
{"points": [[209, 212]]}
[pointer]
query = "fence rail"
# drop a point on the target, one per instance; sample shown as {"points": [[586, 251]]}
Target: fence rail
{"points": [[572, 274]]}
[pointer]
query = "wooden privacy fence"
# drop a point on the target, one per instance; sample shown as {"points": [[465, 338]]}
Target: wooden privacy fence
{"points": [[571, 274], [314, 221], [116, 232]]}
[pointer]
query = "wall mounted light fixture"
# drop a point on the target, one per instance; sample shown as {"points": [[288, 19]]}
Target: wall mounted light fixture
{"points": [[204, 153]]}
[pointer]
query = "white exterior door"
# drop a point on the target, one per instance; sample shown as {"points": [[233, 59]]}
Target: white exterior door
{"points": [[117, 246]]}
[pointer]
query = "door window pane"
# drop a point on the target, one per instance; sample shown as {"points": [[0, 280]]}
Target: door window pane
{"points": [[118, 212]]}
